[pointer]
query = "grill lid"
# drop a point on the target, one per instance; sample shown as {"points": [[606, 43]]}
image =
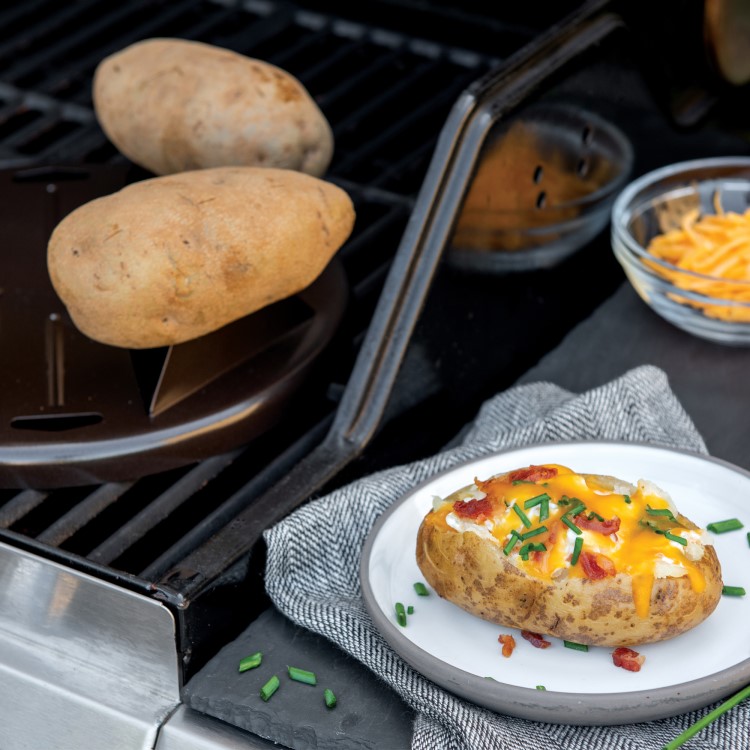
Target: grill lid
{"points": [[75, 411]]}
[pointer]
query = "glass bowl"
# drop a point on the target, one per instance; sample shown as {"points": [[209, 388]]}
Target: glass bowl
{"points": [[660, 201], [543, 188]]}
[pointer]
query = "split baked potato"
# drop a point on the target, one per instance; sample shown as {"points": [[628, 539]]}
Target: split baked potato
{"points": [[586, 558]]}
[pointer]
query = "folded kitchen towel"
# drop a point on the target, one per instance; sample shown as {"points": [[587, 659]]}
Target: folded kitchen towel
{"points": [[326, 598]]}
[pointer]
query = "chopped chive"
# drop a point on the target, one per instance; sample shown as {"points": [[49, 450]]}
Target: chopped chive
{"points": [[720, 527], [707, 719], [421, 589], [564, 500], [531, 547], [660, 512], [627, 499], [577, 509], [514, 537], [269, 688], [576, 550], [329, 698], [302, 675], [576, 646], [571, 525], [748, 537], [250, 662], [490, 678], [674, 538], [594, 514], [400, 614], [540, 687], [733, 591], [410, 610], [524, 518], [538, 500], [521, 481], [534, 532]]}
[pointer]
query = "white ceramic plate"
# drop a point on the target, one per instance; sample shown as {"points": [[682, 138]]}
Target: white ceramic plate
{"points": [[459, 651]]}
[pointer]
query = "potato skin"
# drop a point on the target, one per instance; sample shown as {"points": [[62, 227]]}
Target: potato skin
{"points": [[172, 105], [172, 258], [473, 573]]}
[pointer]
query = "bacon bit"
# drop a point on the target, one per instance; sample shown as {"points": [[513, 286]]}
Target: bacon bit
{"points": [[531, 474], [628, 659], [597, 566], [473, 508], [594, 524], [554, 530], [536, 640], [508, 642]]}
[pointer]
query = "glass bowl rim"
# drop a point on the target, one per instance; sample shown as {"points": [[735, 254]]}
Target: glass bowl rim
{"points": [[622, 210]]}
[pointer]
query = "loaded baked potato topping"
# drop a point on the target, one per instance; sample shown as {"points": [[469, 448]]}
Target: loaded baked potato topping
{"points": [[586, 557]]}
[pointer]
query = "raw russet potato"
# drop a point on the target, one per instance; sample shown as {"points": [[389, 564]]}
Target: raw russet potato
{"points": [[172, 258], [172, 105], [628, 586]]}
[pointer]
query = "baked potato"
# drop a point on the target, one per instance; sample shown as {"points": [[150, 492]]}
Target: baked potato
{"points": [[172, 258], [586, 558], [174, 105]]}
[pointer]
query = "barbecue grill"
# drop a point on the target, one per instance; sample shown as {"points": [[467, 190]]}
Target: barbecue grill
{"points": [[116, 589]]}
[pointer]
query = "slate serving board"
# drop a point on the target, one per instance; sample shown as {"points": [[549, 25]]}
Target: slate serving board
{"points": [[712, 381], [368, 714]]}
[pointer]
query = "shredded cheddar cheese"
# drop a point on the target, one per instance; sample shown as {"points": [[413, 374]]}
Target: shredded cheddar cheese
{"points": [[715, 246]]}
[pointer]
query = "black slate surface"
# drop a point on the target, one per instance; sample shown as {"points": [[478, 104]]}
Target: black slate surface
{"points": [[368, 713], [711, 380]]}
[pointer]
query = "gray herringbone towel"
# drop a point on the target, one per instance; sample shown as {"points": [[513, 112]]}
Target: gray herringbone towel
{"points": [[638, 407]]}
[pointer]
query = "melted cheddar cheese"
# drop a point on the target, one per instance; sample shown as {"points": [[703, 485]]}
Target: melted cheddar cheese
{"points": [[536, 524]]}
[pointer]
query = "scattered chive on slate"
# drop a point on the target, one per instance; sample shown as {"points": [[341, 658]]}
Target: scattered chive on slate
{"points": [[721, 527], [329, 698], [410, 610], [576, 646], [540, 687], [421, 589], [269, 688], [251, 662], [400, 614], [302, 675], [707, 719], [733, 591]]}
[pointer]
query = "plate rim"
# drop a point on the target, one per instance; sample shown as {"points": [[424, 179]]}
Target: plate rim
{"points": [[550, 705]]}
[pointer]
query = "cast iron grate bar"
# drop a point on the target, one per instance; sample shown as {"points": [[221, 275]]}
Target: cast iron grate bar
{"points": [[159, 509], [161, 26], [19, 505], [82, 513], [236, 502], [55, 37]]}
